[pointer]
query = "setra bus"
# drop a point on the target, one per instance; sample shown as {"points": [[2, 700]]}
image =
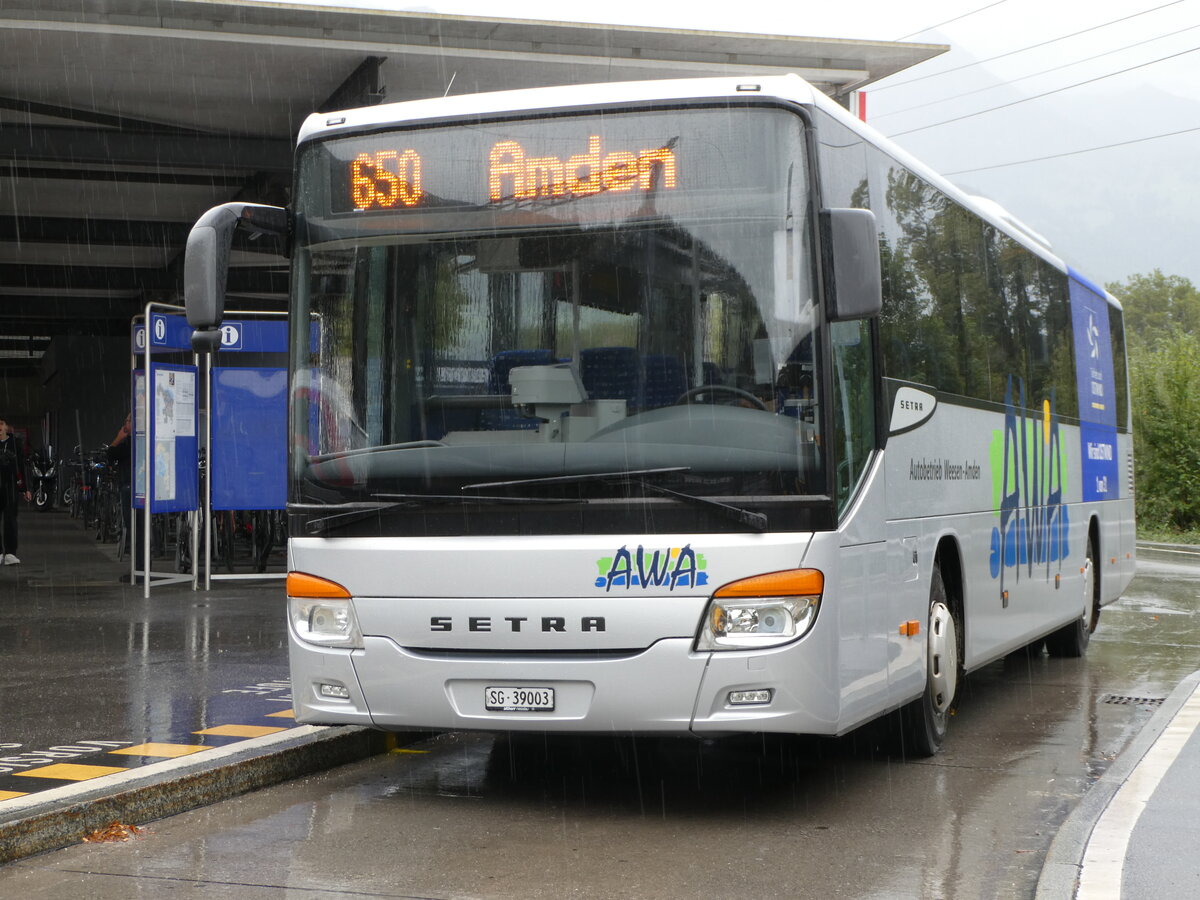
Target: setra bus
{"points": [[674, 407]]}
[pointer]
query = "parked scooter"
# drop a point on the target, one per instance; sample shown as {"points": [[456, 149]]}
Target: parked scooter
{"points": [[43, 470]]}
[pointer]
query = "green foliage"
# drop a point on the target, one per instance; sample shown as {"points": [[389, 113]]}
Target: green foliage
{"points": [[1162, 327], [1156, 306], [1166, 423]]}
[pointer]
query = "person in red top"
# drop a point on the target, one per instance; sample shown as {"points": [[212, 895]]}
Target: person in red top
{"points": [[12, 486]]}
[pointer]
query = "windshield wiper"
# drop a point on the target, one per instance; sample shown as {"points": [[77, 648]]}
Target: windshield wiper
{"points": [[755, 521], [356, 510], [346, 513], [467, 498], [626, 475]]}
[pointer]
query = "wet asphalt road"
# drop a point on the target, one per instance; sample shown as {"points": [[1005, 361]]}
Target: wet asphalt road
{"points": [[466, 815]]}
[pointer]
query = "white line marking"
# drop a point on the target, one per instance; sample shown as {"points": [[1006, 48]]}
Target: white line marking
{"points": [[1104, 858]]}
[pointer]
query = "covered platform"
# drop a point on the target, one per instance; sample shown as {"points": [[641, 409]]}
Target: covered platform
{"points": [[121, 122]]}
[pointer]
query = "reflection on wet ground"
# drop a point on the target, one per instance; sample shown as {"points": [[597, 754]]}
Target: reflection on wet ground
{"points": [[96, 677], [782, 816], [518, 816]]}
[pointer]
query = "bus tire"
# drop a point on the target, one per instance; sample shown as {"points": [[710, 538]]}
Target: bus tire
{"points": [[924, 720], [1072, 640]]}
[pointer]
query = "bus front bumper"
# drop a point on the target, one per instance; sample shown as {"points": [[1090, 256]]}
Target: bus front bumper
{"points": [[665, 689]]}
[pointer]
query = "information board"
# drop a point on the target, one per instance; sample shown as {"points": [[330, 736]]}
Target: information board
{"points": [[249, 438], [173, 461]]}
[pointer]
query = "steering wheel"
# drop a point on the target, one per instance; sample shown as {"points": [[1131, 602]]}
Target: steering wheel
{"points": [[686, 396]]}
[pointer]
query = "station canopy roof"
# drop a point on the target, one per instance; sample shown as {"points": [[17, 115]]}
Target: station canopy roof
{"points": [[121, 121]]}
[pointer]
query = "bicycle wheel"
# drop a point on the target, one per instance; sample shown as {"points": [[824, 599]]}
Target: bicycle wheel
{"points": [[183, 541], [263, 537], [101, 523], [223, 539], [116, 521]]}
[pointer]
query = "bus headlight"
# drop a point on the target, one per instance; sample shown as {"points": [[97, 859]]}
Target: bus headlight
{"points": [[762, 611], [321, 612]]}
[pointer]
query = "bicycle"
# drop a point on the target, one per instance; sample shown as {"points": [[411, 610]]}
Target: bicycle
{"points": [[187, 523], [268, 530], [110, 521]]}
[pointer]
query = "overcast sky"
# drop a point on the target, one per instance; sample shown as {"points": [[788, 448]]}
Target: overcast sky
{"points": [[1034, 96]]}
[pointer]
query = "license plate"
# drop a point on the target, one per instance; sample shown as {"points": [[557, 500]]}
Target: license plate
{"points": [[511, 698]]}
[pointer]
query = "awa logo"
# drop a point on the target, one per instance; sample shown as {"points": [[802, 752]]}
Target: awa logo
{"points": [[1029, 472], [672, 568]]}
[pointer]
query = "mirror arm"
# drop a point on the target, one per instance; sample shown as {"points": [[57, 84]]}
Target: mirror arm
{"points": [[206, 260]]}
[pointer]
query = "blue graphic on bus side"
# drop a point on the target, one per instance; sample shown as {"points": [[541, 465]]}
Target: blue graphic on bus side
{"points": [[1096, 384], [1028, 465]]}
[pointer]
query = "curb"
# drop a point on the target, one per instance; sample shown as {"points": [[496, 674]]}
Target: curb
{"points": [[1168, 547], [56, 818], [1064, 861]]}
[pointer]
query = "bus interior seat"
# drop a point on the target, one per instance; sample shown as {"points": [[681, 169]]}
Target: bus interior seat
{"points": [[664, 380], [612, 373]]}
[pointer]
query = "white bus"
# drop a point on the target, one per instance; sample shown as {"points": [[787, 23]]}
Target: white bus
{"points": [[674, 407]]}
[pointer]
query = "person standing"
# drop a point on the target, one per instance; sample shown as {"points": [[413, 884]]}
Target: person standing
{"points": [[120, 455], [12, 486]]}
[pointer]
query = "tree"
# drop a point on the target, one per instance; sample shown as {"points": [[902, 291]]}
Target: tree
{"points": [[1166, 432], [1162, 324], [1156, 305]]}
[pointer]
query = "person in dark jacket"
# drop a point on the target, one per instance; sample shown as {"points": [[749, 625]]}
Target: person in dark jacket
{"points": [[120, 454], [12, 486]]}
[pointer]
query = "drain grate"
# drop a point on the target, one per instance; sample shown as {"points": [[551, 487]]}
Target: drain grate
{"points": [[1119, 700]]}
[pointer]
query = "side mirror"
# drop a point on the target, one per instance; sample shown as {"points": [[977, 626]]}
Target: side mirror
{"points": [[206, 259], [850, 258]]}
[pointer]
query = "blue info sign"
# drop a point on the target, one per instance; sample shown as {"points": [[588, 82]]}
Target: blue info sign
{"points": [[249, 420], [165, 332], [249, 435], [254, 336]]}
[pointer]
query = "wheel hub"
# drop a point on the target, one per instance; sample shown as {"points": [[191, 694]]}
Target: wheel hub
{"points": [[1089, 590], [943, 657]]}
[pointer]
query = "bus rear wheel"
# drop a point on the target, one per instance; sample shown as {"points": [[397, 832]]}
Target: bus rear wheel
{"points": [[924, 720], [1072, 640]]}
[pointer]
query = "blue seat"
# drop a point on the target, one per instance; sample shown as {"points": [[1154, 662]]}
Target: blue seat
{"points": [[612, 373], [664, 381]]}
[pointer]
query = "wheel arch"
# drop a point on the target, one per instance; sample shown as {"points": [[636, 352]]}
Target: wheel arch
{"points": [[948, 558], [1095, 537]]}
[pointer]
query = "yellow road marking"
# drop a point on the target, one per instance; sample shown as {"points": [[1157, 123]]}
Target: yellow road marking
{"points": [[246, 731], [71, 771], [10, 795], [282, 714], [153, 749]]}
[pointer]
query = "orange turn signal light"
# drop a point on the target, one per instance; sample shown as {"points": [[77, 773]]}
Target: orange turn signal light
{"points": [[910, 629], [301, 584], [788, 583]]}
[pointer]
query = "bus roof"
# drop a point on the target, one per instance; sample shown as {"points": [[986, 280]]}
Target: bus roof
{"points": [[789, 88]]}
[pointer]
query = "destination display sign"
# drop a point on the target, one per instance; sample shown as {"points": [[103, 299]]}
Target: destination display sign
{"points": [[572, 169], [390, 178]]}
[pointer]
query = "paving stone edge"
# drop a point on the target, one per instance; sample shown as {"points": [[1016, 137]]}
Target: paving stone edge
{"points": [[191, 786]]}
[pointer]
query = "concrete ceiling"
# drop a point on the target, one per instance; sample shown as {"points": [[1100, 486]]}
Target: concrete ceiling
{"points": [[121, 121]]}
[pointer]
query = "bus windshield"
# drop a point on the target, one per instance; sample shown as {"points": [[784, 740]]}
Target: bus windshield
{"points": [[496, 307]]}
